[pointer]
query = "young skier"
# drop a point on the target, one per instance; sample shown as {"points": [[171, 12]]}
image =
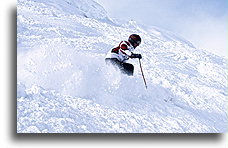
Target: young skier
{"points": [[118, 56]]}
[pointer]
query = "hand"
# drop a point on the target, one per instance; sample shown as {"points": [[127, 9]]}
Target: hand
{"points": [[136, 56], [139, 56]]}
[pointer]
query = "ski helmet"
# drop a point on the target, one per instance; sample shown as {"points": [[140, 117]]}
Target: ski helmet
{"points": [[134, 39]]}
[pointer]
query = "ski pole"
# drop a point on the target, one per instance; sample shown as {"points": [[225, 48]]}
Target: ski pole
{"points": [[142, 73]]}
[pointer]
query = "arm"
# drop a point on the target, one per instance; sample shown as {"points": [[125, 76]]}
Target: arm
{"points": [[124, 48]]}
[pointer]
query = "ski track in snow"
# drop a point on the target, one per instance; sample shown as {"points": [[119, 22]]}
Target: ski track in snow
{"points": [[64, 85]]}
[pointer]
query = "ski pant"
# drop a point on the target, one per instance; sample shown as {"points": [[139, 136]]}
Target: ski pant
{"points": [[125, 68]]}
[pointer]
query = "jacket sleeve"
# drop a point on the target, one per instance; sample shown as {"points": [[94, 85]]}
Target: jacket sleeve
{"points": [[124, 48]]}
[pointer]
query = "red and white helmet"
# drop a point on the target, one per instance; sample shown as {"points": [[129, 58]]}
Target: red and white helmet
{"points": [[135, 40]]}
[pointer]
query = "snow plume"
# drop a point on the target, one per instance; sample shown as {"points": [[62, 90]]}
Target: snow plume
{"points": [[65, 86], [77, 74]]}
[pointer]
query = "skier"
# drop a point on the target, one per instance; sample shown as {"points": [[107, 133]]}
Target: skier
{"points": [[118, 56]]}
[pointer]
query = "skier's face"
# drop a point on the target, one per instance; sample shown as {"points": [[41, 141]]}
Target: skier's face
{"points": [[136, 44]]}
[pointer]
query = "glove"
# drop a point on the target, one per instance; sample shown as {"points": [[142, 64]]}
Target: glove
{"points": [[136, 56]]}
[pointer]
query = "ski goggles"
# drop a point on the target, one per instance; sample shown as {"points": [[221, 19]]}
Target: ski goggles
{"points": [[137, 43]]}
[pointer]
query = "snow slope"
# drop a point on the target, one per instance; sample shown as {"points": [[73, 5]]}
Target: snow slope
{"points": [[64, 86]]}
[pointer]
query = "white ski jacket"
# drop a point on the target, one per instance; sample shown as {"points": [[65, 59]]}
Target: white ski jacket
{"points": [[122, 52]]}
